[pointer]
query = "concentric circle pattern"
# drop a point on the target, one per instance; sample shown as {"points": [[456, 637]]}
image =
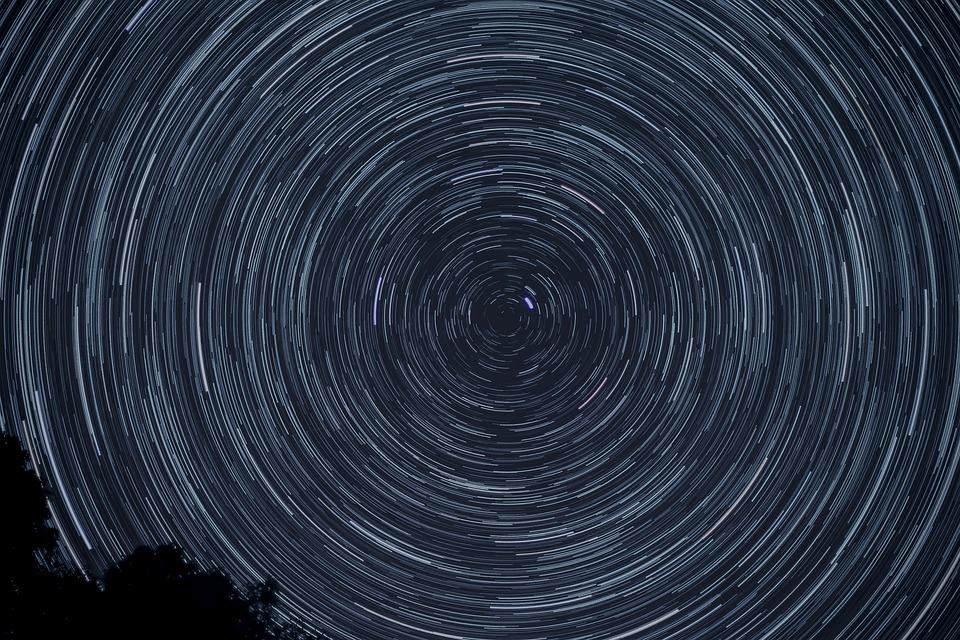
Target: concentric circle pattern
{"points": [[498, 319]]}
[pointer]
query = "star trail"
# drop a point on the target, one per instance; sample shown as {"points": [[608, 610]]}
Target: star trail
{"points": [[488, 320]]}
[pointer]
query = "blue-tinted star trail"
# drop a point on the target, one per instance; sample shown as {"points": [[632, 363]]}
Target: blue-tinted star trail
{"points": [[490, 320]]}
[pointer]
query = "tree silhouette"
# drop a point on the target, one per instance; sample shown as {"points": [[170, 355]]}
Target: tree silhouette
{"points": [[161, 590], [27, 531], [150, 593], [39, 598]]}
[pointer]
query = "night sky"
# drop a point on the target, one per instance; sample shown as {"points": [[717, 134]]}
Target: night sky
{"points": [[490, 320]]}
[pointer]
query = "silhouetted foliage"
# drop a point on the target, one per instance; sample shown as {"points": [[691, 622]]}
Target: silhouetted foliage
{"points": [[26, 529], [160, 589], [152, 593], [36, 601]]}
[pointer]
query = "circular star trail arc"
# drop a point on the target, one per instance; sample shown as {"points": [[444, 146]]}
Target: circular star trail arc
{"points": [[571, 320]]}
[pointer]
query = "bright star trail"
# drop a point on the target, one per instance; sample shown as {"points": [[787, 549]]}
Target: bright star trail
{"points": [[494, 320]]}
